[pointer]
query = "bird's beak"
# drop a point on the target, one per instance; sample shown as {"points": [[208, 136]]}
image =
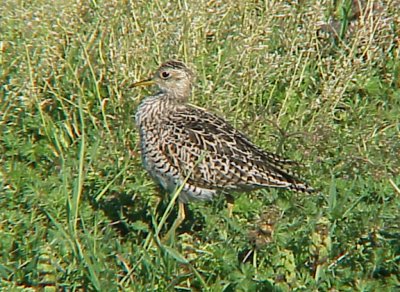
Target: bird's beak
{"points": [[146, 82]]}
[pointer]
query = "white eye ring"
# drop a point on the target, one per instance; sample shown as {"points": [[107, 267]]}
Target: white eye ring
{"points": [[165, 74]]}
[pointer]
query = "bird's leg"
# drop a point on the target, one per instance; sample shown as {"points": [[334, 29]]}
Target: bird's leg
{"points": [[181, 215], [178, 221], [160, 196], [230, 204]]}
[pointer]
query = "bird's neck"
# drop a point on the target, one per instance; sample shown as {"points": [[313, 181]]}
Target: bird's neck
{"points": [[178, 95], [156, 107]]}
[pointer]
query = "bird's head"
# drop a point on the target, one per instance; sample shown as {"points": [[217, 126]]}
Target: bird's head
{"points": [[173, 78]]}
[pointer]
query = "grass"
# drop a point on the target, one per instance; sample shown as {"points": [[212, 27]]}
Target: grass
{"points": [[317, 83]]}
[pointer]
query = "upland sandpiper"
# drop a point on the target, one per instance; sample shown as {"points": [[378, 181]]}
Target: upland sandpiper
{"points": [[188, 147]]}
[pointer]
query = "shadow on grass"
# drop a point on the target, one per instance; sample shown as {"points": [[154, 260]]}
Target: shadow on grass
{"points": [[128, 214]]}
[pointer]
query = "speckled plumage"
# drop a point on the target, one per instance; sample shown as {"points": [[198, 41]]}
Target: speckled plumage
{"points": [[184, 144]]}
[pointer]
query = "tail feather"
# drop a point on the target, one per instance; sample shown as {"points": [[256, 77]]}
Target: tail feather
{"points": [[301, 187]]}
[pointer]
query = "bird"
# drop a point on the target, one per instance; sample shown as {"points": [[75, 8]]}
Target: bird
{"points": [[187, 148]]}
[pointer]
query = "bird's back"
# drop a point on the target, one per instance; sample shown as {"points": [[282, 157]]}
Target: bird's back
{"points": [[210, 153]]}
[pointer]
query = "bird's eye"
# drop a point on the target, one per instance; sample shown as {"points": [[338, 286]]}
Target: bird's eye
{"points": [[165, 74]]}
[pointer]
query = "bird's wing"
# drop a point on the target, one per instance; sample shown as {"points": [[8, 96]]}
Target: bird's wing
{"points": [[213, 154]]}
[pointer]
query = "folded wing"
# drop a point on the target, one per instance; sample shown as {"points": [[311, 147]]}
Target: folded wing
{"points": [[212, 154]]}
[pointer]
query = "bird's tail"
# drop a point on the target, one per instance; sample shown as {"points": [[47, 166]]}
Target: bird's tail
{"points": [[301, 187]]}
